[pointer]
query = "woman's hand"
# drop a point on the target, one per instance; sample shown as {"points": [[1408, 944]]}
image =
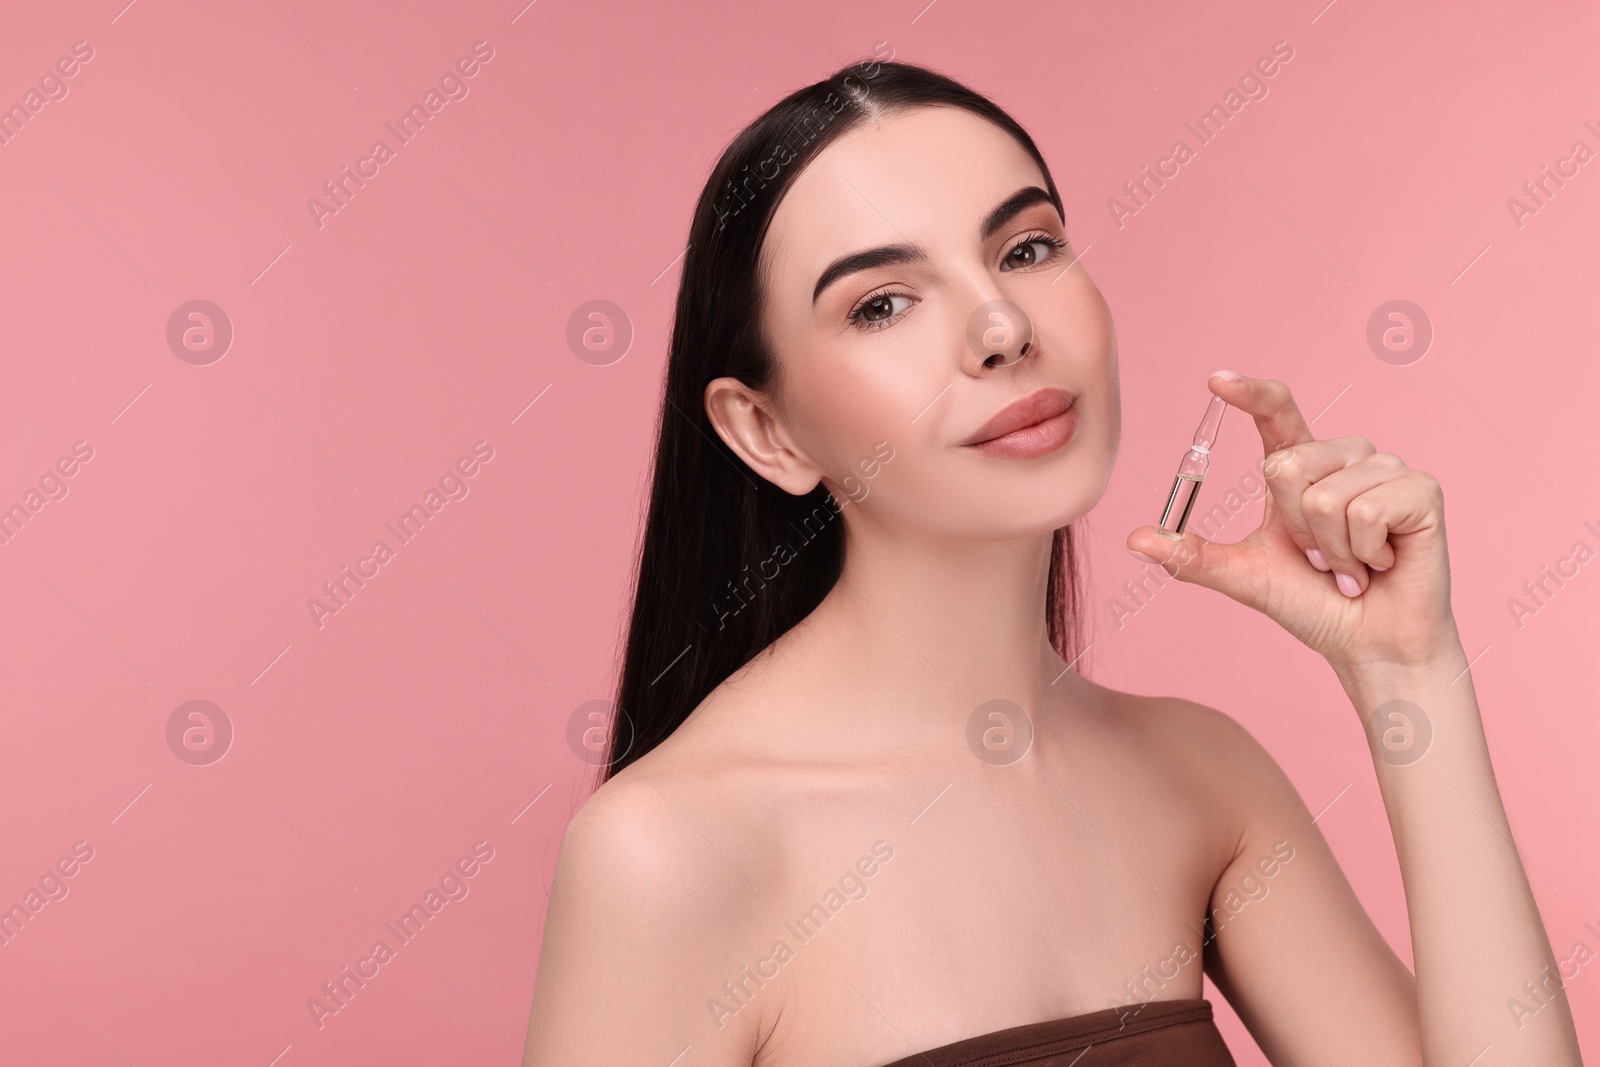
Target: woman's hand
{"points": [[1350, 556]]}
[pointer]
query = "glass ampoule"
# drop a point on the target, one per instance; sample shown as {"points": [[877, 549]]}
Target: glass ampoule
{"points": [[1192, 469]]}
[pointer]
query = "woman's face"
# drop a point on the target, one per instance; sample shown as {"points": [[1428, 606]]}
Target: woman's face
{"points": [[903, 359]]}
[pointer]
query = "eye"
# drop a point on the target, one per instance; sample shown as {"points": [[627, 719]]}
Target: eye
{"points": [[877, 310], [1028, 256]]}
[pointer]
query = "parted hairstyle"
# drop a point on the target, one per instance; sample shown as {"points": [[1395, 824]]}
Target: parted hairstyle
{"points": [[727, 561]]}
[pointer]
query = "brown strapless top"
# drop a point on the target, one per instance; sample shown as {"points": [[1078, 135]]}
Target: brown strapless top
{"points": [[1158, 1032]]}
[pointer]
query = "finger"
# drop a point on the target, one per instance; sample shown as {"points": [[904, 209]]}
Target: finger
{"points": [[1291, 471], [1270, 403], [1235, 570], [1344, 530], [1400, 506]]}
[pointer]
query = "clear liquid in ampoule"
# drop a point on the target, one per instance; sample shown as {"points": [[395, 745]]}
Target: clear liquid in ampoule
{"points": [[1185, 489], [1192, 469]]}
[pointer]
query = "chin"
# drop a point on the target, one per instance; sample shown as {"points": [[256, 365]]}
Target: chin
{"points": [[1064, 494], [1046, 504]]}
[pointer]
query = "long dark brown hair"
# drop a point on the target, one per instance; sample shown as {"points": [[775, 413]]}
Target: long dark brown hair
{"points": [[705, 600]]}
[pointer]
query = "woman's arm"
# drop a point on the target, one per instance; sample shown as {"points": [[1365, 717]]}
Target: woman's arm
{"points": [[1341, 509], [1289, 945], [1487, 983], [1285, 937]]}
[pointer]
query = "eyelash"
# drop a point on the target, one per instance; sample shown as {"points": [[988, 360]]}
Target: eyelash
{"points": [[1056, 245]]}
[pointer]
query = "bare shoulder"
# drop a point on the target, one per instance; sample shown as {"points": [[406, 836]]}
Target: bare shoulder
{"points": [[640, 931], [639, 848], [641, 809], [659, 823], [626, 831], [1214, 752]]}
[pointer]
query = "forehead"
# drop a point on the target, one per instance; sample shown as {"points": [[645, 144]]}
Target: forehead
{"points": [[927, 175]]}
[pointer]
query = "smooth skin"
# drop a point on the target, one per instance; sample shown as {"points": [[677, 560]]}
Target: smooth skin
{"points": [[1081, 875]]}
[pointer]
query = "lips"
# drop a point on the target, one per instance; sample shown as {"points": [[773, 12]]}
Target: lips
{"points": [[1025, 411]]}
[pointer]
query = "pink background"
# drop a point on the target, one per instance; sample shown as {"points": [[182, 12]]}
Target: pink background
{"points": [[372, 352]]}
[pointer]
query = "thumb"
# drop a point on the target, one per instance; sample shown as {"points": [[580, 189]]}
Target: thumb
{"points": [[1190, 558]]}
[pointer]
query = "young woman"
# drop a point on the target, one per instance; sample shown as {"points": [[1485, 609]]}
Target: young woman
{"points": [[861, 808]]}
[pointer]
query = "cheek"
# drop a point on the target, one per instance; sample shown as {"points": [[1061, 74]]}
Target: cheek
{"points": [[849, 404], [1090, 360]]}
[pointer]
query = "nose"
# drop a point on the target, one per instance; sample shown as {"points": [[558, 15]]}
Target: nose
{"points": [[1001, 359], [999, 333]]}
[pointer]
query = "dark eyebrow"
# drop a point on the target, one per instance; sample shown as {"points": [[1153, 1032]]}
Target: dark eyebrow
{"points": [[1018, 202], [886, 256], [890, 255]]}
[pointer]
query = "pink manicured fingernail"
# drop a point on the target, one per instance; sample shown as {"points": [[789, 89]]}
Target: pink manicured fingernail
{"points": [[1385, 567], [1348, 585], [1315, 556], [1147, 559], [1227, 374]]}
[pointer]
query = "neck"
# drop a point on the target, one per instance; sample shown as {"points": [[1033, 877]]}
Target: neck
{"points": [[926, 632]]}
